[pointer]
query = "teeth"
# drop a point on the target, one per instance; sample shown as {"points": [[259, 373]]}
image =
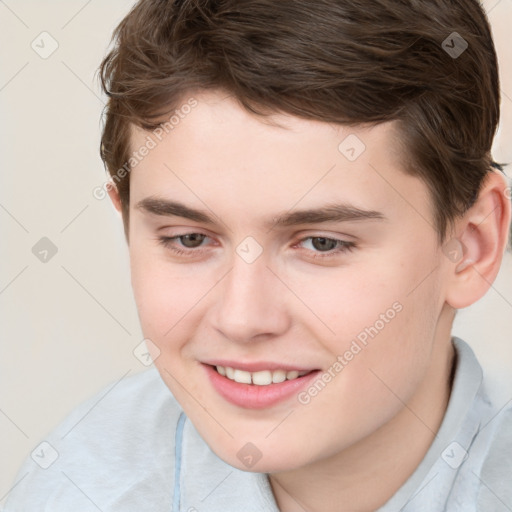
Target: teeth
{"points": [[278, 376], [242, 377], [261, 378]]}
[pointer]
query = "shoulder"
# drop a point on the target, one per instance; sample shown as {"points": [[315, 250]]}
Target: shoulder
{"points": [[496, 472], [110, 453]]}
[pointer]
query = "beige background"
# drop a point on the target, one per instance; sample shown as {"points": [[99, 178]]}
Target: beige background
{"points": [[69, 326]]}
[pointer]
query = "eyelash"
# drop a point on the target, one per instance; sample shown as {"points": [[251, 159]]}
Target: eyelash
{"points": [[343, 246]]}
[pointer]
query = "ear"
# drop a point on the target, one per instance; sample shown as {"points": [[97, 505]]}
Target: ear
{"points": [[114, 196], [482, 236], [113, 193]]}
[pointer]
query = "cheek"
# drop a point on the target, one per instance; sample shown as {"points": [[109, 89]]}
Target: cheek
{"points": [[346, 301], [377, 365], [392, 294], [167, 296], [378, 319]]}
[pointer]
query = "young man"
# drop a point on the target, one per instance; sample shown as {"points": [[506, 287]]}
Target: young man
{"points": [[308, 197]]}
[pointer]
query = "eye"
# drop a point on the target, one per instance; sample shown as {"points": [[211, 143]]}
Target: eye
{"points": [[326, 247], [188, 241], [191, 240]]}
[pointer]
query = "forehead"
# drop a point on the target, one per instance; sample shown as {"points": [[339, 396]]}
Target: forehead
{"points": [[218, 151]]}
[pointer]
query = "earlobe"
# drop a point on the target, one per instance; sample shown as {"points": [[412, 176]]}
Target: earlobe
{"points": [[482, 234]]}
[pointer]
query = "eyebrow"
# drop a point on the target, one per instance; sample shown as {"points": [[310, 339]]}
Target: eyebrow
{"points": [[327, 213]]}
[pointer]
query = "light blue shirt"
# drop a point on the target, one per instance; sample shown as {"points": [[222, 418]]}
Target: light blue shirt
{"points": [[132, 449]]}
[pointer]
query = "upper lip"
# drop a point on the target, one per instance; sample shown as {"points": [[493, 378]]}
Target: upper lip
{"points": [[257, 366]]}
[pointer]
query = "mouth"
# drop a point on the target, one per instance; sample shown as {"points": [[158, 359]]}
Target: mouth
{"points": [[260, 378], [258, 389]]}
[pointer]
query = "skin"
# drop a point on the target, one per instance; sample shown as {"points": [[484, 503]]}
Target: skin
{"points": [[372, 424]]}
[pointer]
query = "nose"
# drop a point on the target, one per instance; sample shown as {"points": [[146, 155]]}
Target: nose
{"points": [[252, 303]]}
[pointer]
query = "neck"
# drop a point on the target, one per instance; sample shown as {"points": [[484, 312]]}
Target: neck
{"points": [[383, 461]]}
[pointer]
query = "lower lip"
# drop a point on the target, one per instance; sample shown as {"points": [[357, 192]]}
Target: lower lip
{"points": [[251, 396]]}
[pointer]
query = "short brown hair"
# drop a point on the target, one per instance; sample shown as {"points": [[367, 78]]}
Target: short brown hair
{"points": [[341, 61]]}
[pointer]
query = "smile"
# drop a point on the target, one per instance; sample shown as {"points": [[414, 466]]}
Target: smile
{"points": [[260, 388], [260, 378]]}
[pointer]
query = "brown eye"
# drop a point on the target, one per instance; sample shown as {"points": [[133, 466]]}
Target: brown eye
{"points": [[192, 240]]}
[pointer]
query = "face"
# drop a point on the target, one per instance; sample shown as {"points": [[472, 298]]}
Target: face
{"points": [[261, 250]]}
